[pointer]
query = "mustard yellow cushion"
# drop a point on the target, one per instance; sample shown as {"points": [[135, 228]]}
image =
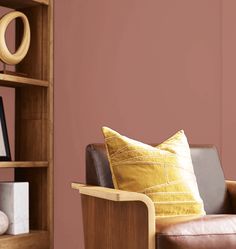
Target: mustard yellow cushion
{"points": [[164, 173]]}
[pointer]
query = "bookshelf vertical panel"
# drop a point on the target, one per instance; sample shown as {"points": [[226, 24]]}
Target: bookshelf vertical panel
{"points": [[48, 69], [31, 124]]}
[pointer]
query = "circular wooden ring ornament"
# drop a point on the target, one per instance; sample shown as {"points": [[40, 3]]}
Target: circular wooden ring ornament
{"points": [[5, 55]]}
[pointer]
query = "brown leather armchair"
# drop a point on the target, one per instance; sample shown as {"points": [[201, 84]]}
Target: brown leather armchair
{"points": [[115, 219]]}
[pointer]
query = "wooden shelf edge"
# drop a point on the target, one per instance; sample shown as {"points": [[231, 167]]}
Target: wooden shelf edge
{"points": [[24, 164], [45, 2], [35, 239], [18, 81], [18, 4], [31, 233]]}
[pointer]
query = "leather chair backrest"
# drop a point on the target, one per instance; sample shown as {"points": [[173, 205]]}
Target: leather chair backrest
{"points": [[207, 169]]}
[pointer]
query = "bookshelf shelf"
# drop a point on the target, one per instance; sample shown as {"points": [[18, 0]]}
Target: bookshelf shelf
{"points": [[18, 81], [24, 164], [18, 4], [34, 239]]}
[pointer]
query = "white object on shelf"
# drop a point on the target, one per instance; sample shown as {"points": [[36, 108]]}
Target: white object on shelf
{"points": [[4, 223], [14, 202]]}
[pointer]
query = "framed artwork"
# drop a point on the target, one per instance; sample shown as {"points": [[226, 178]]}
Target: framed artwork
{"points": [[5, 154]]}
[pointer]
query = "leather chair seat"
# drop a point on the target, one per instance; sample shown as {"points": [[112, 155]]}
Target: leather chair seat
{"points": [[210, 231]]}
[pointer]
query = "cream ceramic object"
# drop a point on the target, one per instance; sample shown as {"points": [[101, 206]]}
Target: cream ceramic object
{"points": [[5, 55], [4, 223]]}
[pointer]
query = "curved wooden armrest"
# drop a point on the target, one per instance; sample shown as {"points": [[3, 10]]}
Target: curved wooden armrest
{"points": [[113, 194], [231, 187], [122, 196]]}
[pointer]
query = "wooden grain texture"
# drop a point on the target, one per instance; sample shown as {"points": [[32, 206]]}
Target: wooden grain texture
{"points": [[18, 4], [26, 164], [32, 65], [48, 69], [34, 123], [130, 215], [31, 121], [114, 225], [34, 118], [33, 240], [19, 81], [231, 187], [112, 194]]}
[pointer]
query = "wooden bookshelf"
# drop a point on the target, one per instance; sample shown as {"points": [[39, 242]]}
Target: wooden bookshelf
{"points": [[33, 123]]}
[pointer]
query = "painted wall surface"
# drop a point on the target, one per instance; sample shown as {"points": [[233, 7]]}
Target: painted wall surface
{"points": [[228, 88], [8, 96], [145, 68]]}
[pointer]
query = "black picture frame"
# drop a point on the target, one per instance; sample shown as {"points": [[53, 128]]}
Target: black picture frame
{"points": [[4, 141]]}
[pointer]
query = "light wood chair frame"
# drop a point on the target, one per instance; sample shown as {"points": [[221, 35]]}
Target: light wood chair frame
{"points": [[103, 208]]}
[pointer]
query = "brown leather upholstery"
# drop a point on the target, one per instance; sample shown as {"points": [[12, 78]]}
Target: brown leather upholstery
{"points": [[207, 168], [231, 186], [211, 232], [97, 166], [207, 232]]}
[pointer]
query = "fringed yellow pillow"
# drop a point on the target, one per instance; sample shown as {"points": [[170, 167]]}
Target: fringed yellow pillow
{"points": [[164, 173]]}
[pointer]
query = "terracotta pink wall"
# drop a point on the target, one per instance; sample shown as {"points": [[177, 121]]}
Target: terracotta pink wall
{"points": [[229, 87], [8, 95], [145, 68]]}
